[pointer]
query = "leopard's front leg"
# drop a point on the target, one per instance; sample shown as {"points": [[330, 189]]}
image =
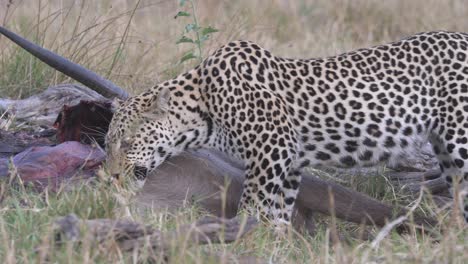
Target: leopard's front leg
{"points": [[271, 183], [258, 130], [270, 196]]}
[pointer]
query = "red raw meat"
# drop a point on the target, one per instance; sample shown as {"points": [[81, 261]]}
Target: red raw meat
{"points": [[50, 166]]}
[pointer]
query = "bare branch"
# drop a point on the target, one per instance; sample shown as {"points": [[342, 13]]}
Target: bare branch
{"points": [[134, 236]]}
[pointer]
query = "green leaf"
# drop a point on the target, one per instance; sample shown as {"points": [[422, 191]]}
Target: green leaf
{"points": [[184, 39], [188, 56], [203, 38], [191, 27], [182, 2], [208, 30], [182, 14]]}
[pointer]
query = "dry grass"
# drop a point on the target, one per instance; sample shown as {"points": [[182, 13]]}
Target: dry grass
{"points": [[137, 51]]}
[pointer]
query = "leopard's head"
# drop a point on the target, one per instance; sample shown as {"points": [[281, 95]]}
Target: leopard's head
{"points": [[149, 128]]}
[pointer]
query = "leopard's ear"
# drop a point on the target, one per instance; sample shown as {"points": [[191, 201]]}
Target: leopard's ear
{"points": [[158, 104], [163, 98]]}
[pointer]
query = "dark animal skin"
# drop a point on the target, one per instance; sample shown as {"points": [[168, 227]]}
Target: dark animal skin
{"points": [[314, 193], [86, 122]]}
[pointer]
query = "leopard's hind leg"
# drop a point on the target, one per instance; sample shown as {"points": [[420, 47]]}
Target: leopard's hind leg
{"points": [[452, 153]]}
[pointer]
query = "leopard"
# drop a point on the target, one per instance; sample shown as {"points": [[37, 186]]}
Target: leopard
{"points": [[281, 115]]}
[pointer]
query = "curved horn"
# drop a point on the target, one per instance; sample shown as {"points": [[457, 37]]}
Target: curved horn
{"points": [[65, 66]]}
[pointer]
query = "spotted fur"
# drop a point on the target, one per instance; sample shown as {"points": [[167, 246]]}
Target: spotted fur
{"points": [[280, 115]]}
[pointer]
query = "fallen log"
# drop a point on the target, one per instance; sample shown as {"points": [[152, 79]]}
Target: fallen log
{"points": [[131, 236], [12, 143], [42, 109], [414, 181]]}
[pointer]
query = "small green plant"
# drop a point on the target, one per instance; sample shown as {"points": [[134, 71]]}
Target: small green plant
{"points": [[193, 33]]}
